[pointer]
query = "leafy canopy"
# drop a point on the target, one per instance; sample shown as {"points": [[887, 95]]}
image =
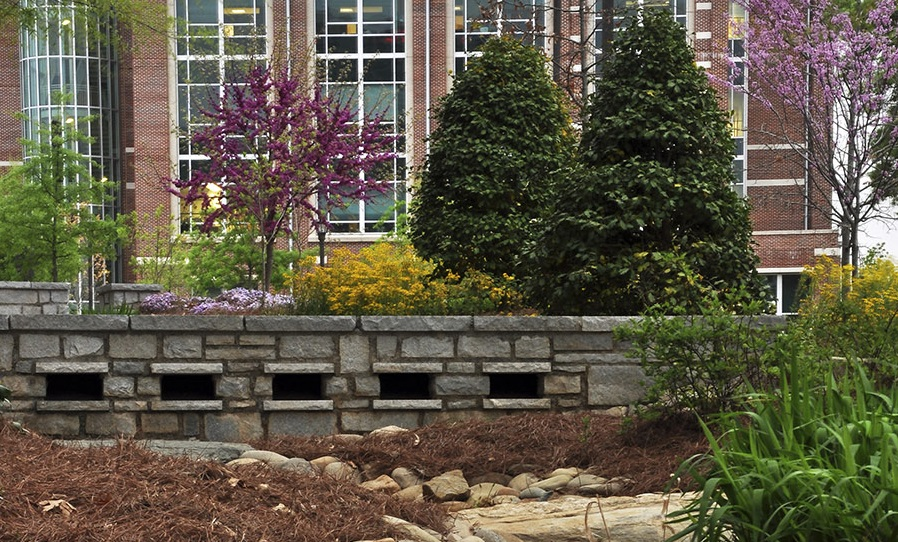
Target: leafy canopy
{"points": [[501, 132], [648, 214]]}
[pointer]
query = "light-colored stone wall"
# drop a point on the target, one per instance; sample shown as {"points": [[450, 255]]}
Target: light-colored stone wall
{"points": [[34, 298], [574, 361]]}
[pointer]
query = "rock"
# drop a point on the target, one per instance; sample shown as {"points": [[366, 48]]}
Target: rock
{"points": [[382, 483], [471, 539], [343, 472], [629, 519], [482, 494], [521, 468], [415, 533], [297, 464], [505, 499], [449, 486], [272, 459], [491, 477], [410, 494], [406, 477], [606, 489], [553, 483], [321, 462], [534, 492], [523, 481], [585, 480], [388, 431], [570, 471], [342, 439], [241, 461], [489, 536]]}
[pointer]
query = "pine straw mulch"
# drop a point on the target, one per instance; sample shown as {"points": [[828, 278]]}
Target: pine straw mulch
{"points": [[126, 493]]}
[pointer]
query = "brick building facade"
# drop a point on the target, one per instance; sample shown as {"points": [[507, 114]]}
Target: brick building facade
{"points": [[398, 56]]}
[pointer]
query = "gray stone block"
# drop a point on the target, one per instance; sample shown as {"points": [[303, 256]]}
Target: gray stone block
{"points": [[336, 386], [74, 346], [4, 321], [308, 405], [517, 367], [527, 323], [234, 427], [262, 386], [595, 342], [409, 367], [533, 347], [605, 323], [594, 358], [38, 346], [256, 340], [160, 405], [365, 421], [235, 367], [271, 324], [614, 385], [240, 352], [367, 386], [71, 366], [483, 347], [186, 323], [186, 368], [107, 424], [25, 366], [159, 423], [518, 404], [129, 405], [307, 346], [302, 423], [461, 404], [119, 386], [408, 404], [461, 385], [299, 367], [182, 346], [148, 386], [417, 323], [427, 346], [231, 387], [467, 367], [22, 386], [72, 406], [554, 384], [354, 354], [6, 352], [387, 347], [132, 346], [221, 340], [56, 425], [70, 322], [191, 424]]}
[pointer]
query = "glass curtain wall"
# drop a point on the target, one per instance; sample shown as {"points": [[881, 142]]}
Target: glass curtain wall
{"points": [[612, 15], [478, 20], [738, 101], [217, 41], [360, 48]]}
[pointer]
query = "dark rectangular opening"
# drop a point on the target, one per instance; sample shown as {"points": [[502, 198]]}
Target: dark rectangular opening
{"points": [[75, 387], [297, 387], [405, 386], [514, 386], [187, 387]]}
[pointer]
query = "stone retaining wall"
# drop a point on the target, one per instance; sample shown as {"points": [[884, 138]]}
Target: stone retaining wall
{"points": [[235, 378], [34, 298]]}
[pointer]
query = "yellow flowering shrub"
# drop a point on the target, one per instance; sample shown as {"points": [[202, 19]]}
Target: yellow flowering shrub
{"points": [[390, 279], [853, 316]]}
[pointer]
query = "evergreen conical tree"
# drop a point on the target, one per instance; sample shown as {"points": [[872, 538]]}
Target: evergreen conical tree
{"points": [[649, 215], [501, 132]]}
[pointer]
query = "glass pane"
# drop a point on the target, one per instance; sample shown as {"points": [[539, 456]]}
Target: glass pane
{"points": [[379, 101], [342, 11], [378, 69], [377, 10], [202, 11]]}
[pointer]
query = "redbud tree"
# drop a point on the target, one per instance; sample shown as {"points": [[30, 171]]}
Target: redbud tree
{"points": [[278, 151], [833, 67]]}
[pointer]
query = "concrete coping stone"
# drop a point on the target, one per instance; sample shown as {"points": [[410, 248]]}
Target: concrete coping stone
{"points": [[69, 322], [407, 404], [298, 367], [186, 405], [517, 404], [24, 285], [187, 368], [417, 323], [128, 287], [72, 406], [301, 323], [65, 367], [605, 323], [165, 322], [517, 367], [409, 367], [320, 404], [527, 323]]}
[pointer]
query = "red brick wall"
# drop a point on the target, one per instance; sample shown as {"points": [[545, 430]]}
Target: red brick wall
{"points": [[10, 96]]}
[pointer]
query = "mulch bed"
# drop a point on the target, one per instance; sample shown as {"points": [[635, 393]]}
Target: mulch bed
{"points": [[126, 493]]}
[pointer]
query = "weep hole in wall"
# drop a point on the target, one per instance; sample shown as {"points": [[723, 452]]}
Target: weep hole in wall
{"points": [[74, 387], [515, 386]]}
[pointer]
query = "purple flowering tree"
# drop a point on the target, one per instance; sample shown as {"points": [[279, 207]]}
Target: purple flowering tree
{"points": [[828, 75], [279, 150]]}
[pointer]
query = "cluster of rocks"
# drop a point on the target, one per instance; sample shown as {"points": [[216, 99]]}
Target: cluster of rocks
{"points": [[499, 507]]}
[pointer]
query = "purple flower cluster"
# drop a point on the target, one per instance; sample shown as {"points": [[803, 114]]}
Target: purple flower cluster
{"points": [[235, 301]]}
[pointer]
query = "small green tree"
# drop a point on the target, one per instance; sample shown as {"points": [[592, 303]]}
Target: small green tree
{"points": [[501, 132], [49, 210], [165, 262], [649, 214]]}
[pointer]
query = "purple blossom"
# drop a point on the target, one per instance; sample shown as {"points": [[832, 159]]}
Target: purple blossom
{"points": [[235, 301]]}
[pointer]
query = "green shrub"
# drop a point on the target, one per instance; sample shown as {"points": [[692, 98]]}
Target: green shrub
{"points": [[700, 362], [809, 463], [5, 394]]}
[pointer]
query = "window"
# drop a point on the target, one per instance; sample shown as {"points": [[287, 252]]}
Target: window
{"points": [[738, 100], [360, 47], [218, 40], [478, 20], [785, 291], [612, 15]]}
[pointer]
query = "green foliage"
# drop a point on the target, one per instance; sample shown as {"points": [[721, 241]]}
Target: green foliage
{"points": [[649, 214], [47, 223], [5, 394], [810, 463], [231, 260], [701, 361], [501, 132], [389, 278], [165, 253]]}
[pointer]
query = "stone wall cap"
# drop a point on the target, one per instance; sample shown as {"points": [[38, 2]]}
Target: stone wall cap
{"points": [[4, 322], [527, 323], [19, 285], [606, 323], [128, 287], [69, 322], [417, 323], [301, 323], [165, 322]]}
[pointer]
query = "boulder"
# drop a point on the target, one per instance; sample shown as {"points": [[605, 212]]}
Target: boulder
{"points": [[449, 486]]}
